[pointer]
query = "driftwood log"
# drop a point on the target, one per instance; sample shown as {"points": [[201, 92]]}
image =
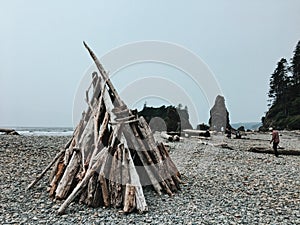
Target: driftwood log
{"points": [[169, 137], [8, 131], [111, 155], [166, 136], [281, 151], [201, 133]]}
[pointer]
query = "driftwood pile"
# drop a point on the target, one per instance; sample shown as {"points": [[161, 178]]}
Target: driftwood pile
{"points": [[111, 155]]}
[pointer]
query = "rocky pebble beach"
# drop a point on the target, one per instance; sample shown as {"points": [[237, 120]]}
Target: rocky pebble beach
{"points": [[222, 185]]}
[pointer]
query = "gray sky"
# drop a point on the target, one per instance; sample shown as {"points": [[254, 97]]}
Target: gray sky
{"points": [[42, 59]]}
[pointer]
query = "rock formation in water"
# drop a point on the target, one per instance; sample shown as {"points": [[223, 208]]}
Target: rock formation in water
{"points": [[219, 116], [166, 118]]}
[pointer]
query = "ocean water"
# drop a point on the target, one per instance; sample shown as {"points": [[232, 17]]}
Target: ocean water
{"points": [[44, 131]]}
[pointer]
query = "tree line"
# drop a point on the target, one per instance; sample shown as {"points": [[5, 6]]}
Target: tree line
{"points": [[284, 94]]}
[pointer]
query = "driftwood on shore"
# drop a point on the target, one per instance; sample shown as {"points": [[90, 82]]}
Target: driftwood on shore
{"points": [[111, 155], [8, 131], [198, 133], [281, 151], [169, 137]]}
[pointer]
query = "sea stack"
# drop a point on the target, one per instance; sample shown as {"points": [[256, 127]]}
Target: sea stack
{"points": [[219, 116]]}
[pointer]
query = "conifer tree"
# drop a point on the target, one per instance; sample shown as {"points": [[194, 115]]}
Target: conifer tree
{"points": [[295, 66], [279, 82]]}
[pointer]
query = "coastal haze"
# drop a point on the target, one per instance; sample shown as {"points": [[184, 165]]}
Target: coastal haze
{"points": [[43, 59], [209, 60]]}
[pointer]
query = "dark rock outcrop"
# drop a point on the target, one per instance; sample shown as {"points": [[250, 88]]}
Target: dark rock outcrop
{"points": [[166, 118]]}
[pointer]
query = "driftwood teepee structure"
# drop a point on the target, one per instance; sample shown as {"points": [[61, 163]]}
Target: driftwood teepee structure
{"points": [[111, 155]]}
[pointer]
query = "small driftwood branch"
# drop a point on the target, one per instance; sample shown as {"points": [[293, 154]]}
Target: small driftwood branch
{"points": [[45, 170]]}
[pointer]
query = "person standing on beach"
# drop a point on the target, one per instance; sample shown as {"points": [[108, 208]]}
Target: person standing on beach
{"points": [[275, 140]]}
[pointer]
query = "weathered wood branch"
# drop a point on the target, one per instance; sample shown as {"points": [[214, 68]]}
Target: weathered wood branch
{"points": [[58, 155], [77, 190], [129, 203], [104, 75]]}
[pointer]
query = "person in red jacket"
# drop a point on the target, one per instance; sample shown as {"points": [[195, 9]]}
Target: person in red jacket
{"points": [[275, 140]]}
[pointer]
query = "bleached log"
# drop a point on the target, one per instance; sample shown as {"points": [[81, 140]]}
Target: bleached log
{"points": [[115, 186], [83, 196], [104, 188], [108, 102], [126, 119], [60, 170], [87, 115], [129, 203], [82, 184], [176, 137], [118, 177], [91, 198], [141, 204], [166, 136], [167, 171], [126, 122], [170, 161], [98, 144], [77, 190], [122, 112], [149, 139], [86, 141], [68, 177], [154, 163], [70, 146], [102, 156], [59, 167], [139, 147], [125, 171], [56, 172], [54, 168], [104, 127], [91, 124], [170, 166], [96, 122], [112, 182]]}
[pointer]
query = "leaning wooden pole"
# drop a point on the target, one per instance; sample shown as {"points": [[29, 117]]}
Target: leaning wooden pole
{"points": [[104, 75], [46, 169]]}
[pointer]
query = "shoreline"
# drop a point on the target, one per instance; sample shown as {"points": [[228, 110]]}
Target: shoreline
{"points": [[223, 186]]}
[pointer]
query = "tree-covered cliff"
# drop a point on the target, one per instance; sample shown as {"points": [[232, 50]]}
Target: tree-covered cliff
{"points": [[284, 94]]}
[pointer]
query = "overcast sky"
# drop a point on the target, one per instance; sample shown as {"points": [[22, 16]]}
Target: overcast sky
{"points": [[42, 59]]}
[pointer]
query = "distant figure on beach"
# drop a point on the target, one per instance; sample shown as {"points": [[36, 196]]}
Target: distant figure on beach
{"points": [[228, 132], [275, 140], [238, 134]]}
